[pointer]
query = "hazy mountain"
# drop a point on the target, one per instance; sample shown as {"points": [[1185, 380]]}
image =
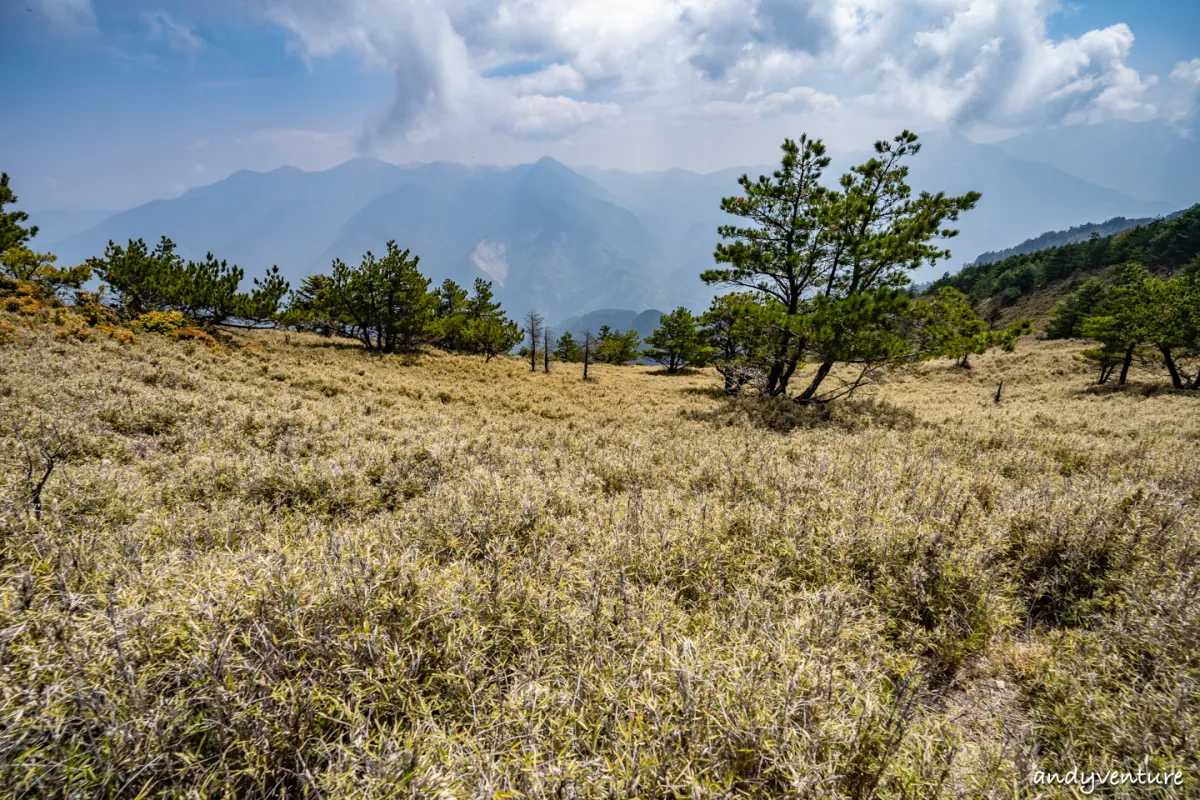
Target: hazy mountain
{"points": [[56, 224], [1147, 160], [253, 219], [619, 319], [560, 240], [546, 236]]}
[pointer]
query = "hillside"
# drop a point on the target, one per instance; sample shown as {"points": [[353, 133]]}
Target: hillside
{"points": [[1029, 284], [284, 566]]}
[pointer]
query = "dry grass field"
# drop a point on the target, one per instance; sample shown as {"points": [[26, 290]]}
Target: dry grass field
{"points": [[286, 568]]}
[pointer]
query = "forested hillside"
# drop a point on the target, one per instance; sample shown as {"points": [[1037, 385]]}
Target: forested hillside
{"points": [[1165, 245]]}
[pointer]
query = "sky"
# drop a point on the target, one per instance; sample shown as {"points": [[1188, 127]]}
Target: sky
{"points": [[110, 103]]}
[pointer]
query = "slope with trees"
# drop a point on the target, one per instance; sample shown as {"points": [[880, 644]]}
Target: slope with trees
{"points": [[1166, 245]]}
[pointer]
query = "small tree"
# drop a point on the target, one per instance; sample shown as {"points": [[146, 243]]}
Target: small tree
{"points": [[451, 317], [829, 268], [313, 307], [207, 291], [567, 349], [533, 328], [779, 254], [1119, 322], [546, 339], [387, 300], [676, 343], [142, 280], [615, 347], [489, 331]]}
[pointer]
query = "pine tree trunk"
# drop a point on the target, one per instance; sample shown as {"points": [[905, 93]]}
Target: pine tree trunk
{"points": [[811, 391], [1169, 360], [1125, 365]]}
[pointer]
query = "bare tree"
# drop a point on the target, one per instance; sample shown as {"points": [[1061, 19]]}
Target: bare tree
{"points": [[546, 342], [533, 327], [43, 451], [587, 351]]}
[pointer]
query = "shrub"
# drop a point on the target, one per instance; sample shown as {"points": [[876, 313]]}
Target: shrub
{"points": [[161, 322]]}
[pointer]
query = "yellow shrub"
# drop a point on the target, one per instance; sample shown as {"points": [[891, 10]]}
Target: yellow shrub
{"points": [[8, 333], [164, 322]]}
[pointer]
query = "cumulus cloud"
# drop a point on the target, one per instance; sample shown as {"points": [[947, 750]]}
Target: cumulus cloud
{"points": [[1187, 72], [989, 63]]}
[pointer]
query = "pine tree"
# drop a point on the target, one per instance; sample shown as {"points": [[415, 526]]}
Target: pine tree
{"points": [[1070, 313], [778, 255], [676, 343], [828, 268], [489, 331], [452, 317], [616, 347], [22, 264], [567, 349], [386, 299], [12, 232]]}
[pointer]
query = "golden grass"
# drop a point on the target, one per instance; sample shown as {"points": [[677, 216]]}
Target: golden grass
{"points": [[285, 567]]}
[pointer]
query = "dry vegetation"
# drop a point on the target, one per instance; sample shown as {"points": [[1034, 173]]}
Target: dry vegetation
{"points": [[284, 567]]}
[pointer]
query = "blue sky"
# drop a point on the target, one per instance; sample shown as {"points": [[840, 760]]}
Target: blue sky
{"points": [[122, 101]]}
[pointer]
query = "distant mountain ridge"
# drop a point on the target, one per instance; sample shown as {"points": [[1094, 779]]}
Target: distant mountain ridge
{"points": [[559, 240], [1077, 233]]}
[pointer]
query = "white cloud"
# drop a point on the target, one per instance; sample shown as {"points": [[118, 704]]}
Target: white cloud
{"points": [[976, 64], [538, 116], [1187, 72], [178, 37], [552, 79]]}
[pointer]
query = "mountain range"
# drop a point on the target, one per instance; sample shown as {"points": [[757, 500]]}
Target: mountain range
{"points": [[570, 241]]}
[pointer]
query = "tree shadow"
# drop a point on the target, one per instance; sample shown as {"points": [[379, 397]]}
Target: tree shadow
{"points": [[782, 415], [1135, 388]]}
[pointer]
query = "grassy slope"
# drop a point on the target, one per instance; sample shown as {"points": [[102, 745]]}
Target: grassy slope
{"points": [[291, 568]]}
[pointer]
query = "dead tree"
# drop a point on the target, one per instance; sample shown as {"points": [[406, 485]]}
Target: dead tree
{"points": [[533, 327], [587, 352], [41, 456], [546, 349]]}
